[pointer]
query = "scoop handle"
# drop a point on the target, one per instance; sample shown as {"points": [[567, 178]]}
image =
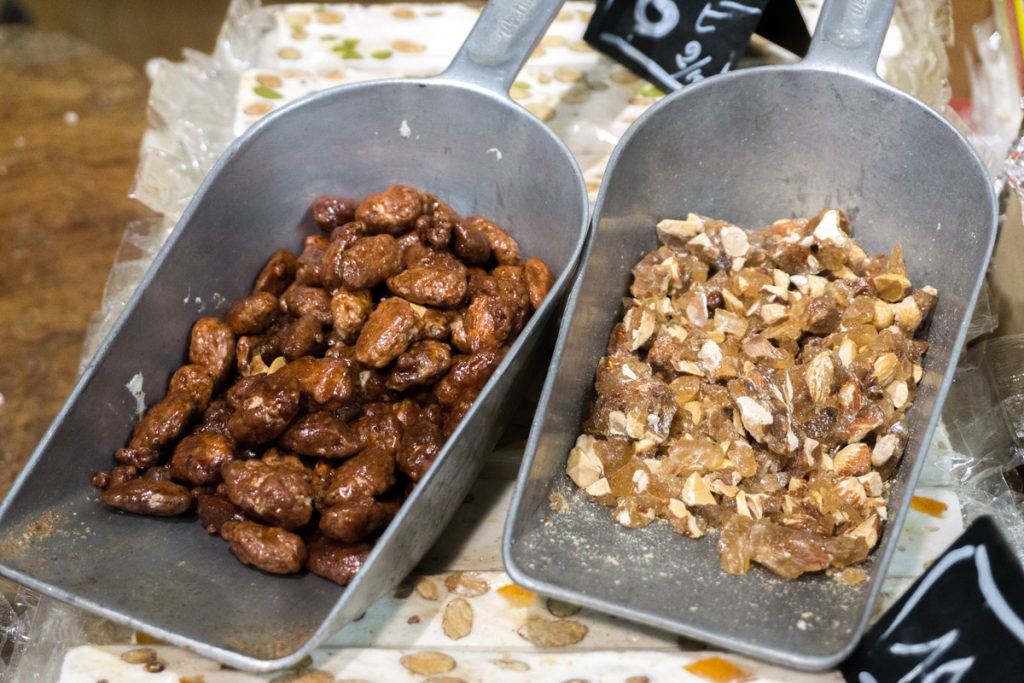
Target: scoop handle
{"points": [[501, 40], [849, 35]]}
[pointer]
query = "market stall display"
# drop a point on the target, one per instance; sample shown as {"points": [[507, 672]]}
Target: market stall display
{"points": [[193, 126]]}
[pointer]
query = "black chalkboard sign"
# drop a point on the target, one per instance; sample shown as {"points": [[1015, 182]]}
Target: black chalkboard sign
{"points": [[674, 43], [963, 621]]}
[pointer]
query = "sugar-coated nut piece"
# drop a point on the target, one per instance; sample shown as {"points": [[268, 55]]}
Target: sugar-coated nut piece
{"points": [[868, 531], [392, 326], [329, 383], [310, 267], [734, 241], [374, 386], [468, 374], [410, 246], [678, 232], [430, 286], [822, 315], [344, 237], [457, 412], [194, 380], [696, 492], [212, 345], [357, 519], [215, 418], [382, 431], [330, 212], [755, 417], [336, 561], [302, 300], [164, 421], [349, 311], [253, 314], [262, 407], [277, 274], [277, 494], [539, 281], [908, 314], [214, 510], [140, 458], [421, 442], [503, 246], [121, 474], [437, 222], [269, 548], [370, 261], [885, 368], [159, 498], [424, 362], [161, 473], [371, 473], [853, 460], [300, 337], [819, 375], [470, 245], [433, 324], [425, 257], [892, 287], [583, 465], [392, 211], [885, 448], [198, 458], [275, 457], [321, 435], [498, 311]]}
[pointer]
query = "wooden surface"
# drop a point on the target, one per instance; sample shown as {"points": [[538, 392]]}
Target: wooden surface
{"points": [[70, 123]]}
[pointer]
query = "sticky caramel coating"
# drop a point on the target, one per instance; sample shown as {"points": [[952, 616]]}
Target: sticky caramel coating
{"points": [[757, 383], [310, 408]]}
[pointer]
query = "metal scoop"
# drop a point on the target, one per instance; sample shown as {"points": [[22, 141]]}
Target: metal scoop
{"points": [[457, 136], [751, 147]]}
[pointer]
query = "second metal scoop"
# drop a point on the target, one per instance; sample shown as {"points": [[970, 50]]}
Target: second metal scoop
{"points": [[751, 147], [457, 136]]}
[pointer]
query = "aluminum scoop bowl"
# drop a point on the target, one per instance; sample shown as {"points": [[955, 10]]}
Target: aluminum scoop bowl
{"points": [[457, 136], [751, 147]]}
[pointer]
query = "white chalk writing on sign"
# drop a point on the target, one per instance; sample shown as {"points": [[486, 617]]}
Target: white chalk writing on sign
{"points": [[931, 668], [668, 17], [657, 18]]}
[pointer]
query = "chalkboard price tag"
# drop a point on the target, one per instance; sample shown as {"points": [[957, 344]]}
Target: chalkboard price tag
{"points": [[674, 43], [963, 621]]}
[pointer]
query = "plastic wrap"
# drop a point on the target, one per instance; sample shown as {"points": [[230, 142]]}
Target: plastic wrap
{"points": [[984, 416], [197, 107]]}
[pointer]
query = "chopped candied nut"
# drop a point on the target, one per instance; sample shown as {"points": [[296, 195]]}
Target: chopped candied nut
{"points": [[892, 287], [885, 448], [757, 382], [819, 375], [696, 492], [853, 460], [755, 417], [584, 467]]}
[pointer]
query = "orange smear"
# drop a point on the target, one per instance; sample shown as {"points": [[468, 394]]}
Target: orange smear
{"points": [[518, 597], [928, 506], [146, 639], [719, 670]]}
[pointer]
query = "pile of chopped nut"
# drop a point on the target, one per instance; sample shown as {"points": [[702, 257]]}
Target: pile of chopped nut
{"points": [[757, 384]]}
